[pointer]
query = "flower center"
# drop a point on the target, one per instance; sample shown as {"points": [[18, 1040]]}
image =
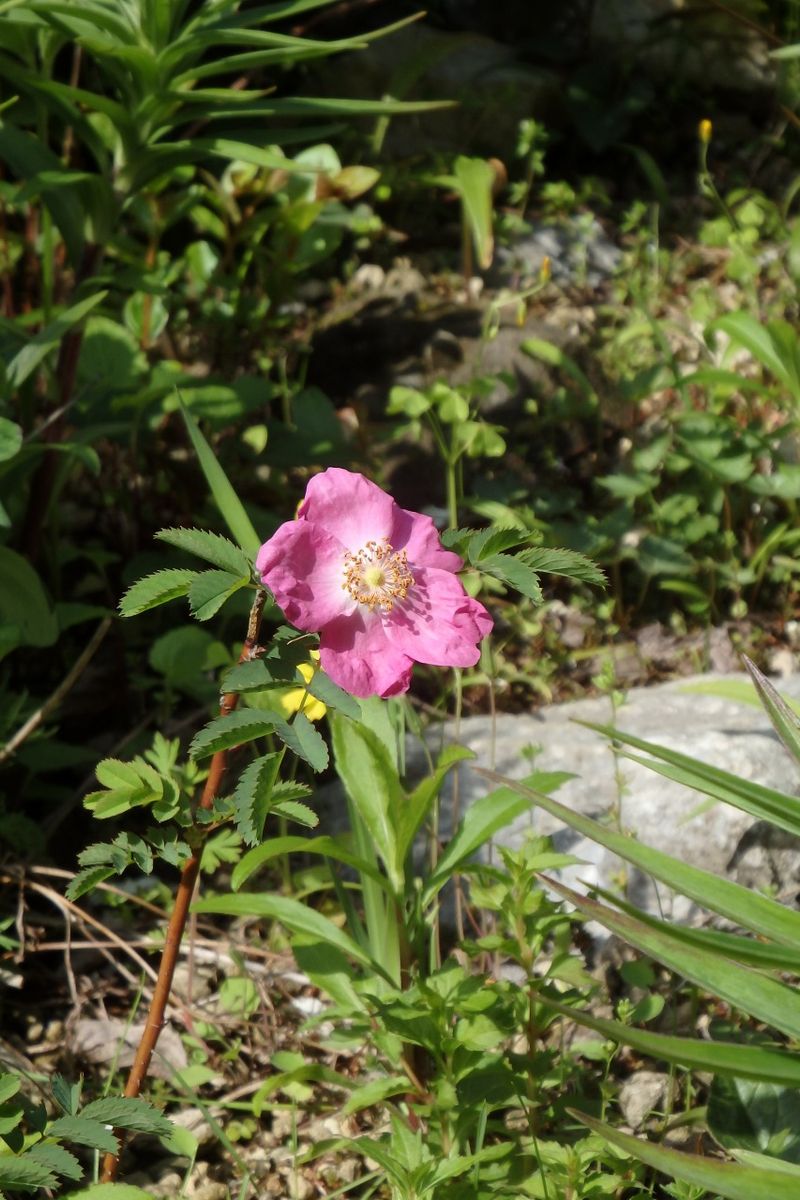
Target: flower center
{"points": [[377, 575]]}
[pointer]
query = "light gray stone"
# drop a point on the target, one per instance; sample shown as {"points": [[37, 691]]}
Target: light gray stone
{"points": [[578, 249], [643, 1094], [666, 815]]}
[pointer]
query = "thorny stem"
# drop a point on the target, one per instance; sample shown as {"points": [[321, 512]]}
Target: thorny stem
{"points": [[183, 898]]}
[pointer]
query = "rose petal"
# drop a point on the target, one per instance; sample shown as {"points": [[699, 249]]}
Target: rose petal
{"points": [[348, 506], [419, 537], [303, 566], [354, 651], [437, 623]]}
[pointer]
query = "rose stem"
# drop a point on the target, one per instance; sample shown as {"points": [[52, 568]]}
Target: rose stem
{"points": [[183, 898]]}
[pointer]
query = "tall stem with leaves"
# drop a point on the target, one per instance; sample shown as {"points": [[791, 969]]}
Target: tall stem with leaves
{"points": [[188, 881]]}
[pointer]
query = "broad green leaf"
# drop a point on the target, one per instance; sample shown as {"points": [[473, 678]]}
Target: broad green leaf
{"points": [[762, 1117], [9, 1086], [10, 439], [376, 1092], [29, 357], [110, 1191], [747, 331], [228, 503], [23, 603], [233, 729], [750, 992], [697, 1054], [762, 802], [746, 908], [733, 1181], [155, 589], [785, 722], [367, 772], [211, 589], [479, 824], [297, 917], [475, 181], [210, 546], [326, 846]]}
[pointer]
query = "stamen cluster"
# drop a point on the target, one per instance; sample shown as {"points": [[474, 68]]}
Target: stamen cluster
{"points": [[377, 575]]}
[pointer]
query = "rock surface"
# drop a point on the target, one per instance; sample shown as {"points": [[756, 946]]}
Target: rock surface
{"points": [[724, 732]]}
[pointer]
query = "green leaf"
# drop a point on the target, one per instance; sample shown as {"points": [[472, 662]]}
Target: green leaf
{"points": [[29, 357], [28, 156], [10, 439], [88, 879], [228, 503], [368, 774], [123, 1112], [784, 720], [564, 562], [487, 542], [480, 822], [323, 688], [55, 1158], [155, 589], [475, 181], [84, 1131], [762, 802], [9, 1086], [233, 729], [22, 1171], [210, 546], [747, 990], [554, 356], [252, 796], [23, 602], [514, 571], [110, 1191], [376, 1092], [211, 589], [303, 740], [762, 1117], [737, 1059], [734, 1181], [296, 917], [416, 807], [746, 908], [67, 1095], [326, 846], [758, 339]]}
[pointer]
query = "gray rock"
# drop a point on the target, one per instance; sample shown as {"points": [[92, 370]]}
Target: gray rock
{"points": [[644, 1093], [579, 252], [735, 736]]}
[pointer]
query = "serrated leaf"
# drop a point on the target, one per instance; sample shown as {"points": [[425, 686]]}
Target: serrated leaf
{"points": [[234, 729], [212, 547], [563, 562], [322, 687], [11, 1114], [22, 1171], [511, 570], [125, 1112], [303, 740], [66, 1095], [491, 541], [56, 1158], [155, 589], [86, 880], [251, 798], [293, 811], [211, 589]]}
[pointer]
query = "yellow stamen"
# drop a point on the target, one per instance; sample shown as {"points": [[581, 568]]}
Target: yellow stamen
{"points": [[377, 576]]}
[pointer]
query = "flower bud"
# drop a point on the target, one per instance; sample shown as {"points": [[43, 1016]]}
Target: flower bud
{"points": [[704, 131]]}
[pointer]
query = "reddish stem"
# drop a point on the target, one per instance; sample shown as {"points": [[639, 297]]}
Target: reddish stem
{"points": [[183, 898]]}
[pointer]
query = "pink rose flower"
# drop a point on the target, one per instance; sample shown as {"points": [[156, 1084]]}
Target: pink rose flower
{"points": [[375, 582]]}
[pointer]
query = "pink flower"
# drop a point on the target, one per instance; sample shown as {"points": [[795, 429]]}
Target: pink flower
{"points": [[376, 583]]}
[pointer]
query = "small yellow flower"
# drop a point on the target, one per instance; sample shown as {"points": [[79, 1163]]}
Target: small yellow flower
{"points": [[704, 131], [546, 269], [292, 700]]}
